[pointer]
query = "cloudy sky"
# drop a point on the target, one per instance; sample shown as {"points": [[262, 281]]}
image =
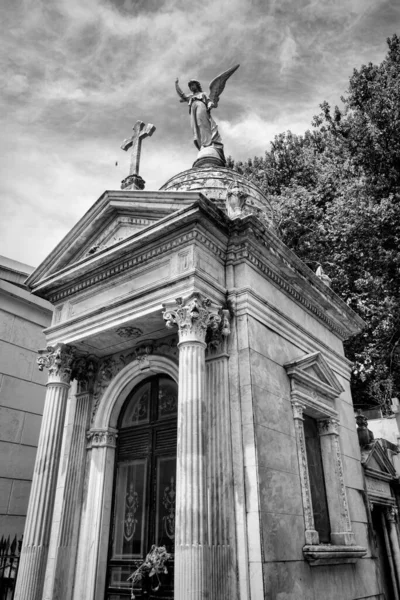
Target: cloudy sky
{"points": [[75, 75]]}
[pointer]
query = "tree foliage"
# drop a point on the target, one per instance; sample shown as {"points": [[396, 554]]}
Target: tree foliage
{"points": [[336, 195]]}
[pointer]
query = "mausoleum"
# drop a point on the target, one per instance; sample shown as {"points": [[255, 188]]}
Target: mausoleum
{"points": [[198, 398]]}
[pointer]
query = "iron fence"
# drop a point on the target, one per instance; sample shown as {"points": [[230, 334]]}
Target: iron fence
{"points": [[9, 561]]}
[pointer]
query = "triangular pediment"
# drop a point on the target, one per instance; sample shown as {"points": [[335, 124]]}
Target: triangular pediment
{"points": [[375, 460], [115, 217], [314, 375]]}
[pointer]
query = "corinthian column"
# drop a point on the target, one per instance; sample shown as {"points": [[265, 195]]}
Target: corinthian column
{"points": [[192, 553], [61, 570], [35, 547]]}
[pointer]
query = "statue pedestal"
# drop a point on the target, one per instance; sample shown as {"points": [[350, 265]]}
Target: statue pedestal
{"points": [[209, 156], [132, 182]]}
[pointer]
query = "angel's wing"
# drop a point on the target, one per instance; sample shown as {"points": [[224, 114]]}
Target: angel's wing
{"points": [[217, 85]]}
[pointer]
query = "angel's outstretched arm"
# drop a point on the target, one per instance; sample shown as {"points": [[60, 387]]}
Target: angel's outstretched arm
{"points": [[183, 97]]}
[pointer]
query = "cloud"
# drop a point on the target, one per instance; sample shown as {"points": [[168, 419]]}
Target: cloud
{"points": [[75, 76]]}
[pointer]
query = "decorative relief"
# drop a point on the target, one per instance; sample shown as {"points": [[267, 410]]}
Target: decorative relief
{"points": [[297, 408], [216, 337], [167, 403], [392, 514], [192, 316], [131, 506], [112, 365], [304, 477], [65, 364], [169, 498], [183, 261], [235, 200], [129, 332], [108, 368], [340, 475], [138, 260], [58, 360], [140, 411], [101, 438], [329, 426]]}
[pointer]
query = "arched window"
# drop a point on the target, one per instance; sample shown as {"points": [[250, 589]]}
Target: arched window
{"points": [[144, 486]]}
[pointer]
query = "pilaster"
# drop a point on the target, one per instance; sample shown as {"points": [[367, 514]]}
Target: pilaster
{"points": [[311, 535], [391, 515], [341, 532], [59, 362], [91, 563], [220, 473]]}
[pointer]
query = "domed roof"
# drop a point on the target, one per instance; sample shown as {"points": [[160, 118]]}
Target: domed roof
{"points": [[231, 192]]}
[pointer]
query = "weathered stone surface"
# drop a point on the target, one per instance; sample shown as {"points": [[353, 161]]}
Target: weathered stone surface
{"points": [[357, 505], [283, 536], [31, 429], [352, 473], [27, 334], [11, 424], [5, 491], [16, 461], [22, 395], [280, 492], [6, 325], [276, 450], [289, 580], [19, 498], [214, 183]]}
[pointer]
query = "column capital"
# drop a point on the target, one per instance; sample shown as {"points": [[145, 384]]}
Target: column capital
{"points": [[64, 364], [298, 408], [193, 316], [59, 361], [84, 369], [328, 426], [391, 514], [101, 438]]}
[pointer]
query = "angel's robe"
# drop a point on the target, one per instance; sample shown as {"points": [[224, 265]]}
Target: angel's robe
{"points": [[205, 130]]}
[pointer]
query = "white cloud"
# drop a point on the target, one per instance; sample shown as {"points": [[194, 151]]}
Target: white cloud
{"points": [[77, 75]]}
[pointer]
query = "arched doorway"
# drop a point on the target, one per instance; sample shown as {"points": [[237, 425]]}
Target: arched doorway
{"points": [[144, 484]]}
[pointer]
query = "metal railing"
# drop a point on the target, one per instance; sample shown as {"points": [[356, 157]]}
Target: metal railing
{"points": [[9, 561]]}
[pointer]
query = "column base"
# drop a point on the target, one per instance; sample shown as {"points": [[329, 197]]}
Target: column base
{"points": [[31, 573], [192, 572], [312, 537]]}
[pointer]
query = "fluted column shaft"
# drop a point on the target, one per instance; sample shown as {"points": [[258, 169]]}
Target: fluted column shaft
{"points": [[41, 501], [192, 550], [59, 582]]}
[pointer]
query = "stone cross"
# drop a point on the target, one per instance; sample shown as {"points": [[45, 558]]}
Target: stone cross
{"points": [[140, 131]]}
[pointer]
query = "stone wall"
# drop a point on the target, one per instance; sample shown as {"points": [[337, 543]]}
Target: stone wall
{"points": [[273, 492], [22, 392]]}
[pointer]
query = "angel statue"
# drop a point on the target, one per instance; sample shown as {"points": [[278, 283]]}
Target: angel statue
{"points": [[205, 130]]}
